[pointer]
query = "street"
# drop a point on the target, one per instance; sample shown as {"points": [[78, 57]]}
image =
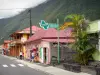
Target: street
{"points": [[11, 67]]}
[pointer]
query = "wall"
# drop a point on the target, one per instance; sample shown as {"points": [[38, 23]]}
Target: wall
{"points": [[23, 39], [29, 46], [47, 45], [6, 45], [96, 56], [40, 44], [94, 27], [65, 52], [54, 50]]}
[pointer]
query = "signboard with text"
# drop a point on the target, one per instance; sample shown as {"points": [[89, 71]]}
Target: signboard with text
{"points": [[45, 25]]}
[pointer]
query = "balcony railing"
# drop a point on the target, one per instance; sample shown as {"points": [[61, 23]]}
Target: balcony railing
{"points": [[17, 41]]}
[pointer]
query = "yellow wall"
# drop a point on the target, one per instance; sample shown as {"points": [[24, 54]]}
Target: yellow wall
{"points": [[24, 38], [24, 50]]}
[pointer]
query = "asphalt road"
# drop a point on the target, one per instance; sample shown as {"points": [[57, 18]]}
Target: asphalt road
{"points": [[11, 67]]}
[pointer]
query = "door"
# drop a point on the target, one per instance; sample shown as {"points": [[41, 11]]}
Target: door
{"points": [[45, 54]]}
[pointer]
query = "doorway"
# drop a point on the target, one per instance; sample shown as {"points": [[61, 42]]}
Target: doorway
{"points": [[45, 54]]}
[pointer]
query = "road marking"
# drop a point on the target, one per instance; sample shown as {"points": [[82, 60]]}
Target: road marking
{"points": [[21, 65], [5, 66], [12, 65]]}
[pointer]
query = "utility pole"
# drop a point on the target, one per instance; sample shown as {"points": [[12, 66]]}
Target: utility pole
{"points": [[30, 23], [58, 42]]}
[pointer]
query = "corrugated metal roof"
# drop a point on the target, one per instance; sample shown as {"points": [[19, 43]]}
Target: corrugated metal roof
{"points": [[51, 33]]}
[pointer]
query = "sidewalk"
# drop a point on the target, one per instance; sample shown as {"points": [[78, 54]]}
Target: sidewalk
{"points": [[50, 69]]}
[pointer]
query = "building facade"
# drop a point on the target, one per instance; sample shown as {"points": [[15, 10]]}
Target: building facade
{"points": [[94, 31], [18, 39], [44, 41]]}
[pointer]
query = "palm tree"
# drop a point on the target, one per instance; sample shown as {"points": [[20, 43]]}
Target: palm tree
{"points": [[82, 46]]}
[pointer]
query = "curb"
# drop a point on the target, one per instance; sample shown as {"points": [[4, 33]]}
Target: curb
{"points": [[27, 64], [43, 69]]}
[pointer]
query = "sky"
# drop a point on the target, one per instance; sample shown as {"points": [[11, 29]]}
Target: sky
{"points": [[9, 8]]}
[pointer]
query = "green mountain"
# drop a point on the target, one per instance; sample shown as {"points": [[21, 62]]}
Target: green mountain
{"points": [[50, 11]]}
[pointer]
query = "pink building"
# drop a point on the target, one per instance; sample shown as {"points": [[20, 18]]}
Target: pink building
{"points": [[6, 46], [43, 41]]}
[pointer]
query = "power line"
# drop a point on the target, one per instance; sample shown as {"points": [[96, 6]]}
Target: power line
{"points": [[14, 8]]}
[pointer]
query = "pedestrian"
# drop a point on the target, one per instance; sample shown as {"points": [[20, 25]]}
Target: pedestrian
{"points": [[32, 56], [4, 52], [21, 55], [36, 57]]}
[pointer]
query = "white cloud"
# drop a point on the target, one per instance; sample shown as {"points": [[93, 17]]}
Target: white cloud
{"points": [[11, 5]]}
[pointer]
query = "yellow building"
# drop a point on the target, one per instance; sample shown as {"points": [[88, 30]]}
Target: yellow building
{"points": [[18, 39]]}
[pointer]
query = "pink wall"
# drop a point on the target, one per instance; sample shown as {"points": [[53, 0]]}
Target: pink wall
{"points": [[47, 45], [30, 46], [39, 44]]}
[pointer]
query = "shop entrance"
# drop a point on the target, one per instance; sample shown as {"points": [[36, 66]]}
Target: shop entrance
{"points": [[45, 54]]}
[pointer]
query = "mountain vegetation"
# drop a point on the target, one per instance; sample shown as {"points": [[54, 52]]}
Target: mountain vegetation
{"points": [[50, 11]]}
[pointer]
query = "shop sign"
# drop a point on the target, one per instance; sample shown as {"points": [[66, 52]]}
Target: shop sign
{"points": [[46, 25]]}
